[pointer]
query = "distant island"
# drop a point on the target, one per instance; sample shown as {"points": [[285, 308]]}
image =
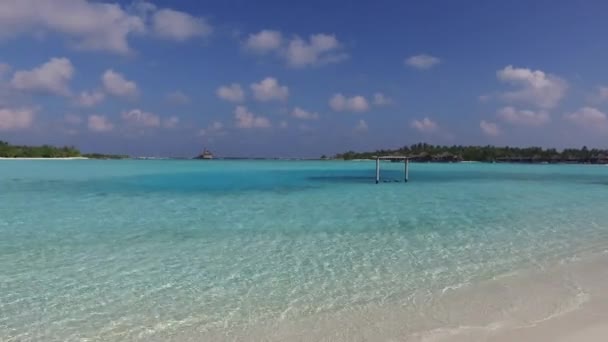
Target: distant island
{"points": [[420, 152], [423, 152], [46, 151], [105, 156]]}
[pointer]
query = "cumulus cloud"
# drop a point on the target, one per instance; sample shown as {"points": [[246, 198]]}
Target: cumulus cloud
{"points": [[489, 128], [361, 126], [97, 25], [425, 125], [534, 86], [99, 123], [246, 119], [231, 93], [16, 119], [357, 103], [524, 117], [52, 77], [588, 117], [318, 49], [88, 25], [116, 84], [269, 89], [264, 41], [138, 117], [382, 100], [171, 122], [178, 97], [422, 62], [179, 26], [89, 99], [302, 114], [600, 95]]}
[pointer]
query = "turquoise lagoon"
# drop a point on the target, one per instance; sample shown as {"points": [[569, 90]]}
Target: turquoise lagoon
{"points": [[210, 250]]}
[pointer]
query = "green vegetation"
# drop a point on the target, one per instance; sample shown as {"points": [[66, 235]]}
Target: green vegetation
{"points": [[14, 151], [426, 152], [105, 156], [45, 151]]}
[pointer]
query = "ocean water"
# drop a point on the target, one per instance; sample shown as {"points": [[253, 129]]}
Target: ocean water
{"points": [[210, 250]]}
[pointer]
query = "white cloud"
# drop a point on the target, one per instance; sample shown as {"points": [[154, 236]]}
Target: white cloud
{"points": [[89, 99], [269, 89], [99, 123], [246, 119], [524, 117], [283, 124], [489, 128], [89, 25], [216, 128], [535, 86], [425, 125], [422, 62], [142, 8], [300, 113], [318, 49], [178, 97], [588, 117], [232, 93], [600, 95], [361, 126], [15, 119], [357, 103], [52, 77], [179, 26], [264, 41], [382, 100], [171, 122], [116, 84], [97, 25], [137, 117]]}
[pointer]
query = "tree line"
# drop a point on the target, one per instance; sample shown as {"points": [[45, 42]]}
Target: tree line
{"points": [[454, 153], [46, 151]]}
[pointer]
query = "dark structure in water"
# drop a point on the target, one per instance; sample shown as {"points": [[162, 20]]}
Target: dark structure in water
{"points": [[205, 155]]}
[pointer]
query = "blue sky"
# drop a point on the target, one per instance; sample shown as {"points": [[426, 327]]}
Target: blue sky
{"points": [[282, 78]]}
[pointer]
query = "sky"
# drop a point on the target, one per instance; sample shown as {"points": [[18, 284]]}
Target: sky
{"points": [[273, 78]]}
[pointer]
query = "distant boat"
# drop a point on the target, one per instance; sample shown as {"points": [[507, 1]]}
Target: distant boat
{"points": [[205, 155]]}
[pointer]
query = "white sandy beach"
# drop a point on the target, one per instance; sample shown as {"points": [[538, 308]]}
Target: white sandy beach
{"points": [[566, 304], [587, 324], [584, 320]]}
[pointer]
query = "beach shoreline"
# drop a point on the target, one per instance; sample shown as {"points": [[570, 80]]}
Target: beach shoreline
{"points": [[587, 322], [566, 303]]}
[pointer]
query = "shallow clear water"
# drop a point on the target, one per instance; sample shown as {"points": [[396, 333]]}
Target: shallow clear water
{"points": [[129, 250]]}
